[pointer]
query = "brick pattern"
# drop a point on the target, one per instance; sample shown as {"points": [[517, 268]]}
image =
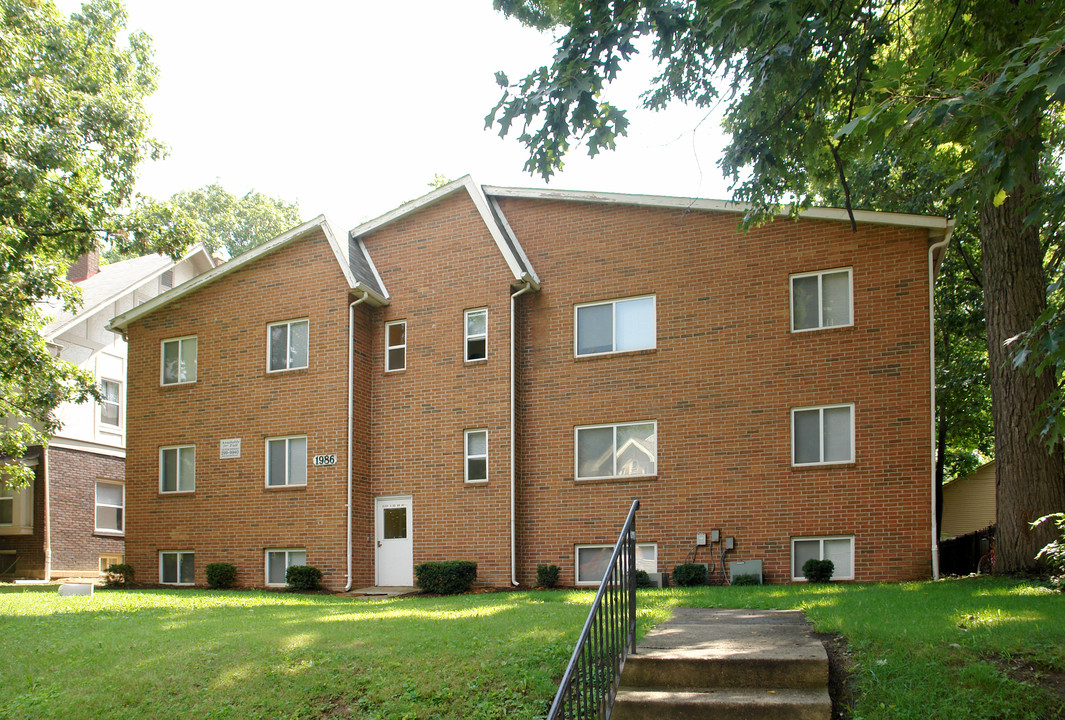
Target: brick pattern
{"points": [[72, 476]]}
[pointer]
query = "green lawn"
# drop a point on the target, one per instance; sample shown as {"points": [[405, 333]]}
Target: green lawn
{"points": [[170, 654]]}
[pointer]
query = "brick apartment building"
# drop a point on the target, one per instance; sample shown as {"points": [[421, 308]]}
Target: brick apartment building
{"points": [[494, 374]]}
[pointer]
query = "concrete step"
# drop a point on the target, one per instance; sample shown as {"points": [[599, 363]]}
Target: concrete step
{"points": [[737, 672], [722, 704]]}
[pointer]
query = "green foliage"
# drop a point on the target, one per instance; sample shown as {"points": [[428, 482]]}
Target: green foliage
{"points": [[818, 571], [446, 578], [742, 580], [688, 574], [119, 575], [221, 575], [547, 575], [1053, 553], [643, 580], [303, 577]]}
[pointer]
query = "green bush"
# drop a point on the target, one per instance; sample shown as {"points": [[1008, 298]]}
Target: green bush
{"points": [[547, 575], [689, 574], [303, 577], [1053, 553], [119, 575], [818, 571], [643, 580], [446, 578], [221, 575], [746, 580]]}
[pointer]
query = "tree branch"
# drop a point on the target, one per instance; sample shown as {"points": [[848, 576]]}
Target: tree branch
{"points": [[844, 183]]}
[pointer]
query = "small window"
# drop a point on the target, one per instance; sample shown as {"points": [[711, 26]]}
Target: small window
{"points": [[821, 300], [279, 561], [616, 326], [177, 469], [395, 345], [110, 405], [177, 568], [107, 561], [621, 450], [16, 506], [7, 506], [288, 345], [286, 461], [476, 334], [110, 507], [179, 361], [166, 280], [840, 550], [593, 560], [476, 455], [822, 435]]}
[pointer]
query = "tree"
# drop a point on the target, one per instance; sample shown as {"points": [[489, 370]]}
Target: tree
{"points": [[809, 88], [73, 129]]}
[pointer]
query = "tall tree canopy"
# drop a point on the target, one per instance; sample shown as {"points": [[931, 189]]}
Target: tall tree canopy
{"points": [[809, 89]]}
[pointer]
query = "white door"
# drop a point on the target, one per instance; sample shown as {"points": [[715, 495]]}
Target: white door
{"points": [[395, 549]]}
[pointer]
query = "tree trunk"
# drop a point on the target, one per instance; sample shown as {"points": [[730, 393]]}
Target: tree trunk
{"points": [[1030, 480]]}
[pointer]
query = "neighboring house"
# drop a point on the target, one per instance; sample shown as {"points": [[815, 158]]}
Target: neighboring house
{"points": [[494, 374], [71, 520], [969, 502]]}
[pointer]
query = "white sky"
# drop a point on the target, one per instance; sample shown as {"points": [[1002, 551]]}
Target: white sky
{"points": [[350, 108]]}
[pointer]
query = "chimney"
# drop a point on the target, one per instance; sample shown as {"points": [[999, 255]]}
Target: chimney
{"points": [[85, 266]]}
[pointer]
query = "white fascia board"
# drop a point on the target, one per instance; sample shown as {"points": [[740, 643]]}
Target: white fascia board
{"points": [[931, 222]]}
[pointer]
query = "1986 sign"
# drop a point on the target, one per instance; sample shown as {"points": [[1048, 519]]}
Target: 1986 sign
{"points": [[330, 459]]}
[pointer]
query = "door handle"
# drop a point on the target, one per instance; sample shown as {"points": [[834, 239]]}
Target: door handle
{"points": [[378, 543]]}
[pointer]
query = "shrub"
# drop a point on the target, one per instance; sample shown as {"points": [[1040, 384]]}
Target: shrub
{"points": [[643, 580], [689, 574], [1053, 553], [818, 571], [547, 575], [119, 575], [446, 578], [221, 575], [303, 577], [746, 580]]}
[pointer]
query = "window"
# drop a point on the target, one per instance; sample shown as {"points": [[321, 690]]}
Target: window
{"points": [[286, 461], [622, 450], [110, 504], [279, 561], [821, 300], [476, 455], [107, 561], [593, 561], [177, 468], [840, 550], [179, 361], [288, 345], [166, 280], [616, 326], [176, 568], [476, 334], [395, 345], [7, 506], [110, 391], [16, 509], [822, 435]]}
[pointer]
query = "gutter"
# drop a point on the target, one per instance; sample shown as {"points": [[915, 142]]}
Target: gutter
{"points": [[932, 373], [351, 411], [527, 286]]}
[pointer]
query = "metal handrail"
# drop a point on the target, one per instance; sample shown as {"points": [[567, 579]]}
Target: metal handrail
{"points": [[591, 679]]}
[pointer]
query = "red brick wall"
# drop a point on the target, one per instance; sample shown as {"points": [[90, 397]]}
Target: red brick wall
{"points": [[72, 476]]}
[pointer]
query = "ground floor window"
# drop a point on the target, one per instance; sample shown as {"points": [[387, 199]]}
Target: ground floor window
{"points": [[592, 561], [840, 550], [107, 561], [110, 506], [279, 561], [176, 568]]}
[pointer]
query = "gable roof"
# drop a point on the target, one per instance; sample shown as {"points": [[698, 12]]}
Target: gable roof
{"points": [[354, 262]]}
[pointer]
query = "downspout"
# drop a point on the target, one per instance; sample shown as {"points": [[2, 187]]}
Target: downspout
{"points": [[351, 412], [513, 472], [932, 372]]}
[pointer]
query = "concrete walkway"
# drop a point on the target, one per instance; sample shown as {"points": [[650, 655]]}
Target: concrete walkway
{"points": [[378, 592]]}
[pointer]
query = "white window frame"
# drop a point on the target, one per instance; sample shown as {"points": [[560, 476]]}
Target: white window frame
{"points": [[389, 348], [640, 565], [110, 531], [614, 427], [614, 320], [181, 359], [107, 561], [288, 482], [821, 435], [177, 481], [820, 299], [288, 344], [180, 554], [8, 499], [116, 403], [820, 555], [476, 336], [288, 563], [21, 500], [467, 457]]}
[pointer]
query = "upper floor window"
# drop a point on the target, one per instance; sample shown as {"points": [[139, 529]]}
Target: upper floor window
{"points": [[286, 461], [395, 345], [16, 508], [821, 300], [621, 450], [177, 469], [288, 345], [110, 507], [476, 334], [616, 326], [110, 406], [822, 435], [179, 360], [476, 455]]}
